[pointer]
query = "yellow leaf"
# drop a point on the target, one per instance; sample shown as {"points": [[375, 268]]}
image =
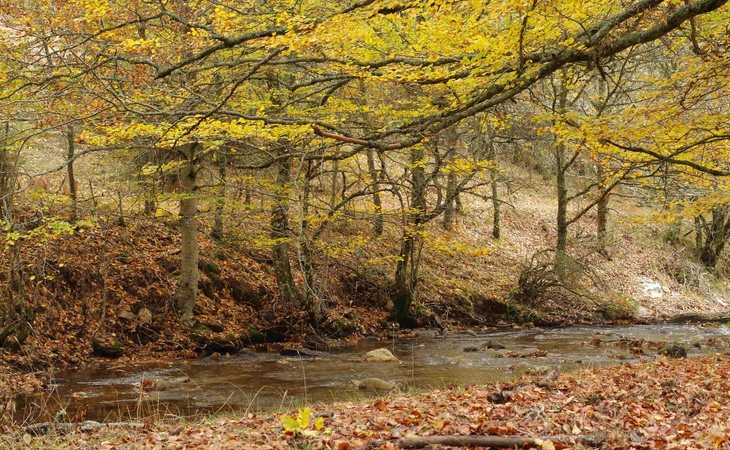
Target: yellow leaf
{"points": [[545, 444]]}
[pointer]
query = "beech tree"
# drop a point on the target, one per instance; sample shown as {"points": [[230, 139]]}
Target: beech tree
{"points": [[186, 80]]}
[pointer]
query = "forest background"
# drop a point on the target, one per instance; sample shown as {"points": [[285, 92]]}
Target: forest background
{"points": [[204, 176]]}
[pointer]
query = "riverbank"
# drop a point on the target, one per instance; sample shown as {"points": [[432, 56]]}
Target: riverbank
{"points": [[239, 307], [109, 290], [681, 404]]}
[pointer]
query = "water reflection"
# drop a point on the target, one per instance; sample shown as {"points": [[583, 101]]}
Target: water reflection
{"points": [[265, 381]]}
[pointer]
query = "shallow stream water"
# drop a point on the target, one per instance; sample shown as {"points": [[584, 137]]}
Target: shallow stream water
{"points": [[269, 381]]}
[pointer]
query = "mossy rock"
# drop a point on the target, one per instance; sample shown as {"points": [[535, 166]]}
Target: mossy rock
{"points": [[493, 345], [198, 330], [207, 345], [372, 384], [104, 350], [254, 337], [621, 308], [385, 323], [674, 351], [271, 335], [214, 327], [276, 334], [342, 327], [515, 311]]}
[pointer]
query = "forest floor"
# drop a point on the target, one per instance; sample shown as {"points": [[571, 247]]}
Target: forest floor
{"points": [[115, 285], [667, 404]]}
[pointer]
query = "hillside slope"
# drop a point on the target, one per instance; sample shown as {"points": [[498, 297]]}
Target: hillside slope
{"points": [[114, 285]]}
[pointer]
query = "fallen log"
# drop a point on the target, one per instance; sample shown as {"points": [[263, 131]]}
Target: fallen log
{"points": [[699, 318], [468, 441], [592, 440], [43, 428]]}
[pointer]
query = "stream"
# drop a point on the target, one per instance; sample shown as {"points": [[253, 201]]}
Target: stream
{"points": [[259, 381]]}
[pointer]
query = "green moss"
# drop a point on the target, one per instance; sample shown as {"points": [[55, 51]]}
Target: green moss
{"points": [[107, 351], [515, 312], [623, 308], [342, 327], [254, 336], [214, 327]]}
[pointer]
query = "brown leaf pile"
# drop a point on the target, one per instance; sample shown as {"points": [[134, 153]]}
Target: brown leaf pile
{"points": [[96, 280]]}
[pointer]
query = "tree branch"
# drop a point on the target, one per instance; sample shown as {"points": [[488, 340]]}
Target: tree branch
{"points": [[670, 159]]}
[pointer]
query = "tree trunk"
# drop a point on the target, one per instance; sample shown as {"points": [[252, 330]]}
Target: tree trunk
{"points": [[121, 221], [187, 290], [602, 216], [404, 290], [311, 301], [148, 181], [713, 236], [248, 194], [406, 274], [7, 177], [562, 164], [6, 186], [220, 203], [699, 233], [334, 183], [452, 180], [72, 193], [150, 202], [496, 209], [493, 175], [561, 218], [449, 211], [560, 179], [602, 205], [280, 234], [375, 175]]}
